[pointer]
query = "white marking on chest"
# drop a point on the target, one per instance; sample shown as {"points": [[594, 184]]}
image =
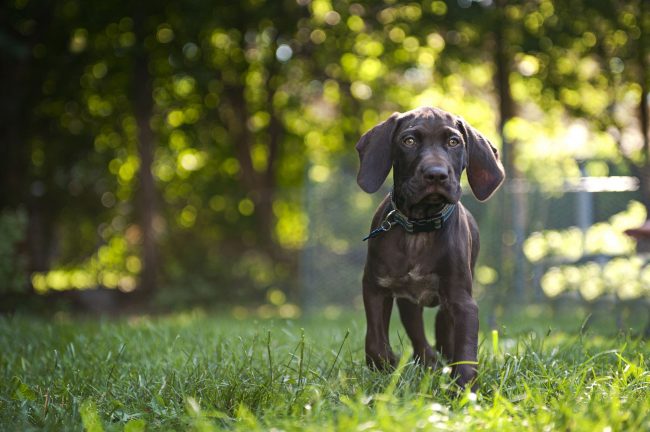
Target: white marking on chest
{"points": [[417, 286], [415, 274], [385, 282]]}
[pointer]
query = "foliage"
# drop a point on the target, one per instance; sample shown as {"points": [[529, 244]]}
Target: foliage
{"points": [[229, 109], [192, 371], [625, 278], [613, 268], [606, 238]]}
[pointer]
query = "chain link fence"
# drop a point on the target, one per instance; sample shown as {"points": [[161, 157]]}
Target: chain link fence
{"points": [[530, 236]]}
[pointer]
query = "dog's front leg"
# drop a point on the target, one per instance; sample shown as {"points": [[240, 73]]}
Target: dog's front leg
{"points": [[464, 314], [378, 310], [411, 315], [445, 334]]}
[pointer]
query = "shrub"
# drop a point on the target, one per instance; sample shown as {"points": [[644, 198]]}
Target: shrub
{"points": [[13, 229]]}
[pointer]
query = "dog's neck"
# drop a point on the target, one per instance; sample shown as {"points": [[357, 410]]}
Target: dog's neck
{"points": [[433, 218]]}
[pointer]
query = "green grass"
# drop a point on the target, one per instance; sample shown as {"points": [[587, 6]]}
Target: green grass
{"points": [[212, 372]]}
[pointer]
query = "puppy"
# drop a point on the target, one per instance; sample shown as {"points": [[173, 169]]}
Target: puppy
{"points": [[423, 243]]}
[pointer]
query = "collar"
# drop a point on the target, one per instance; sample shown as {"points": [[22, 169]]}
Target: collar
{"points": [[412, 226]]}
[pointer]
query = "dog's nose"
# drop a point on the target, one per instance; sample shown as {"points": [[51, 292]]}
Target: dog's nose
{"points": [[433, 174]]}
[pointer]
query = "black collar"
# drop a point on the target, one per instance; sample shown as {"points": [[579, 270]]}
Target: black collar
{"points": [[412, 226]]}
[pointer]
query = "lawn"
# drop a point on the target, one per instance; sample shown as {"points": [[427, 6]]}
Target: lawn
{"points": [[210, 371]]}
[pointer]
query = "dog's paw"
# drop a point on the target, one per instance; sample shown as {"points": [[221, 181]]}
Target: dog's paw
{"points": [[382, 361], [427, 357], [466, 376]]}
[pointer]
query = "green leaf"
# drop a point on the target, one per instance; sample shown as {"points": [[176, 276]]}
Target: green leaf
{"points": [[135, 425], [23, 392], [90, 417]]}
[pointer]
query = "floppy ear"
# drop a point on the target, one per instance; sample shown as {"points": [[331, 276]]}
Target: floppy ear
{"points": [[484, 169], [374, 149]]}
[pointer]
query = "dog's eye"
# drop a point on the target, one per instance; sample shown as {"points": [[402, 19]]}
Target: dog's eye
{"points": [[409, 141], [453, 142]]}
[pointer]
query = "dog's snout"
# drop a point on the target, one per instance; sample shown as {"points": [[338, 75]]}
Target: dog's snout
{"points": [[435, 174]]}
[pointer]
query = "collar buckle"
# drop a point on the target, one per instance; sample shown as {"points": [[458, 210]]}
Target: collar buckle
{"points": [[412, 226]]}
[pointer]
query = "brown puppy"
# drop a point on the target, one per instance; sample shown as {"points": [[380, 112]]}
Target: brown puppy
{"points": [[424, 243]]}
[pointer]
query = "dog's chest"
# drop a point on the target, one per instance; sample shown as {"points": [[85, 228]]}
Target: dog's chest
{"points": [[419, 286], [412, 273]]}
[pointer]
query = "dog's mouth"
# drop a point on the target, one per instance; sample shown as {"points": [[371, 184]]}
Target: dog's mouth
{"points": [[429, 205], [434, 199], [436, 195], [420, 202]]}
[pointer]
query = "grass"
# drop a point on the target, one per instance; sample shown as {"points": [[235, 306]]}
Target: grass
{"points": [[198, 371]]}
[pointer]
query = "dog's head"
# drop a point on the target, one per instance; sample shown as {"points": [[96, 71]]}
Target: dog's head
{"points": [[428, 149]]}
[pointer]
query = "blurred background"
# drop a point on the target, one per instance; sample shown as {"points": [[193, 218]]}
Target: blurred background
{"points": [[162, 155]]}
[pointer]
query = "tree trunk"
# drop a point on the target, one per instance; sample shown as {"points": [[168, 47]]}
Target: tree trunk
{"points": [[502, 83], [146, 194], [17, 85], [513, 198], [643, 172], [260, 186], [269, 180], [21, 81]]}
